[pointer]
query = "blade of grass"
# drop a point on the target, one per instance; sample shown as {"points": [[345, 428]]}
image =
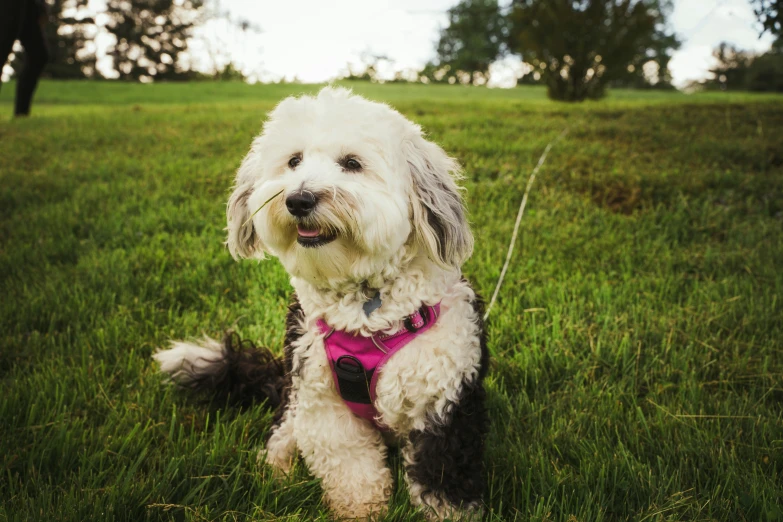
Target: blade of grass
{"points": [[262, 206]]}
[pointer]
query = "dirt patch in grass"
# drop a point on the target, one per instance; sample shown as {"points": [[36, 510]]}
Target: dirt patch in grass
{"points": [[618, 196], [609, 115], [774, 156], [627, 161]]}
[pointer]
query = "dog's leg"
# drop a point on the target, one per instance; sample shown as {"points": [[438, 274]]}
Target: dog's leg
{"points": [[345, 452], [281, 446], [280, 450], [444, 462]]}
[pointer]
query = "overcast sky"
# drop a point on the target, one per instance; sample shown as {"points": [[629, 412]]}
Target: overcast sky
{"points": [[314, 40]]}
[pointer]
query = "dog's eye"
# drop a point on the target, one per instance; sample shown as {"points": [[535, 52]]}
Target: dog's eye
{"points": [[351, 164], [295, 161]]}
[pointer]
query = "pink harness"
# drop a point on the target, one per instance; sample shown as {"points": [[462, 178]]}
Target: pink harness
{"points": [[356, 361]]}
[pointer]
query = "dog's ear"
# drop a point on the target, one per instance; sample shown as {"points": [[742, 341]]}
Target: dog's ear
{"points": [[242, 239], [439, 219]]}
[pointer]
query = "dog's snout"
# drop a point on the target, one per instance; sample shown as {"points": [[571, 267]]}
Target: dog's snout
{"points": [[301, 203]]}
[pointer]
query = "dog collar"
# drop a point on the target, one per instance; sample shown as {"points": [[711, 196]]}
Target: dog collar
{"points": [[356, 361]]}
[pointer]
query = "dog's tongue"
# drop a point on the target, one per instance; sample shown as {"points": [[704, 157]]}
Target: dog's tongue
{"points": [[306, 232]]}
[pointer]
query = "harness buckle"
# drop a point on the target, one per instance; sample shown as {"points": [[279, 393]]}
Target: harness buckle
{"points": [[349, 368], [353, 379]]}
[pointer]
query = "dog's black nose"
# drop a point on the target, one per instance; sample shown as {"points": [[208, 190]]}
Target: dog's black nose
{"points": [[301, 204]]}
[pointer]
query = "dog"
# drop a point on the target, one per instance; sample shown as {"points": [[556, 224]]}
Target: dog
{"points": [[385, 342]]}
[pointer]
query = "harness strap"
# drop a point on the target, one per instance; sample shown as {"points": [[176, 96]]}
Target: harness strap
{"points": [[356, 361]]}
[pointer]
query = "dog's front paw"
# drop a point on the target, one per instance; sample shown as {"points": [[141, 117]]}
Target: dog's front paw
{"points": [[437, 509], [365, 500], [359, 511], [471, 513], [281, 464]]}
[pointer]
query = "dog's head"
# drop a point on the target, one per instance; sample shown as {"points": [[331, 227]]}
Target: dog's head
{"points": [[335, 186]]}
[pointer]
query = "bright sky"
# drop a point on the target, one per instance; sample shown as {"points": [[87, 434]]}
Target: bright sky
{"points": [[702, 25], [313, 40]]}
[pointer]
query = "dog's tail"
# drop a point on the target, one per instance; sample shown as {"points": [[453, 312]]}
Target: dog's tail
{"points": [[233, 371]]}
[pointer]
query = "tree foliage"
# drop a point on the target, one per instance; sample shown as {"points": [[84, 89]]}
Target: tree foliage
{"points": [[69, 33], [770, 14], [580, 46], [367, 71], [150, 36], [739, 70], [474, 38], [650, 70]]}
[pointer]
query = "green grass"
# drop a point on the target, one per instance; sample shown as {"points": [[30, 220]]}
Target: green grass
{"points": [[637, 362]]}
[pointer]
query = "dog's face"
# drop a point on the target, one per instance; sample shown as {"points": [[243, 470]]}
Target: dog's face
{"points": [[342, 185]]}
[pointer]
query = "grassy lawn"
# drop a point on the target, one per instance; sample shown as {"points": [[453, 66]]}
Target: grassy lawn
{"points": [[637, 342]]}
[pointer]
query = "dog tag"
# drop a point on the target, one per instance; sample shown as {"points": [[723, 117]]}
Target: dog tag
{"points": [[372, 305]]}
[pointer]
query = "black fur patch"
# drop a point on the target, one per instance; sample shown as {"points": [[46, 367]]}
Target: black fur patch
{"points": [[248, 235], [440, 231], [479, 308], [445, 231], [242, 375], [293, 331], [449, 455]]}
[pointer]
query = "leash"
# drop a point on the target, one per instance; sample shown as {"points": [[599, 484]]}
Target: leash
{"points": [[521, 211]]}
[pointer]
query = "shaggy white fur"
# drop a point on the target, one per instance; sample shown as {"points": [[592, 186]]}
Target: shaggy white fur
{"points": [[394, 226], [183, 359]]}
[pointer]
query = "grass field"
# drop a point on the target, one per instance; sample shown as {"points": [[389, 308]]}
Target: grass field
{"points": [[637, 342]]}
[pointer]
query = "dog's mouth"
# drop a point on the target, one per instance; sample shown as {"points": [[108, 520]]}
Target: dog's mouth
{"points": [[313, 237]]}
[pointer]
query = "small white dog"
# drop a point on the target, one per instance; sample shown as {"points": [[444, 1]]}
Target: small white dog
{"points": [[384, 340]]}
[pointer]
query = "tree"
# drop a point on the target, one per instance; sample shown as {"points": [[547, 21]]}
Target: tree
{"points": [[150, 36], [223, 64], [766, 73], [580, 46], [731, 72], [770, 14], [368, 70], [474, 38], [69, 33], [741, 70], [652, 69]]}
